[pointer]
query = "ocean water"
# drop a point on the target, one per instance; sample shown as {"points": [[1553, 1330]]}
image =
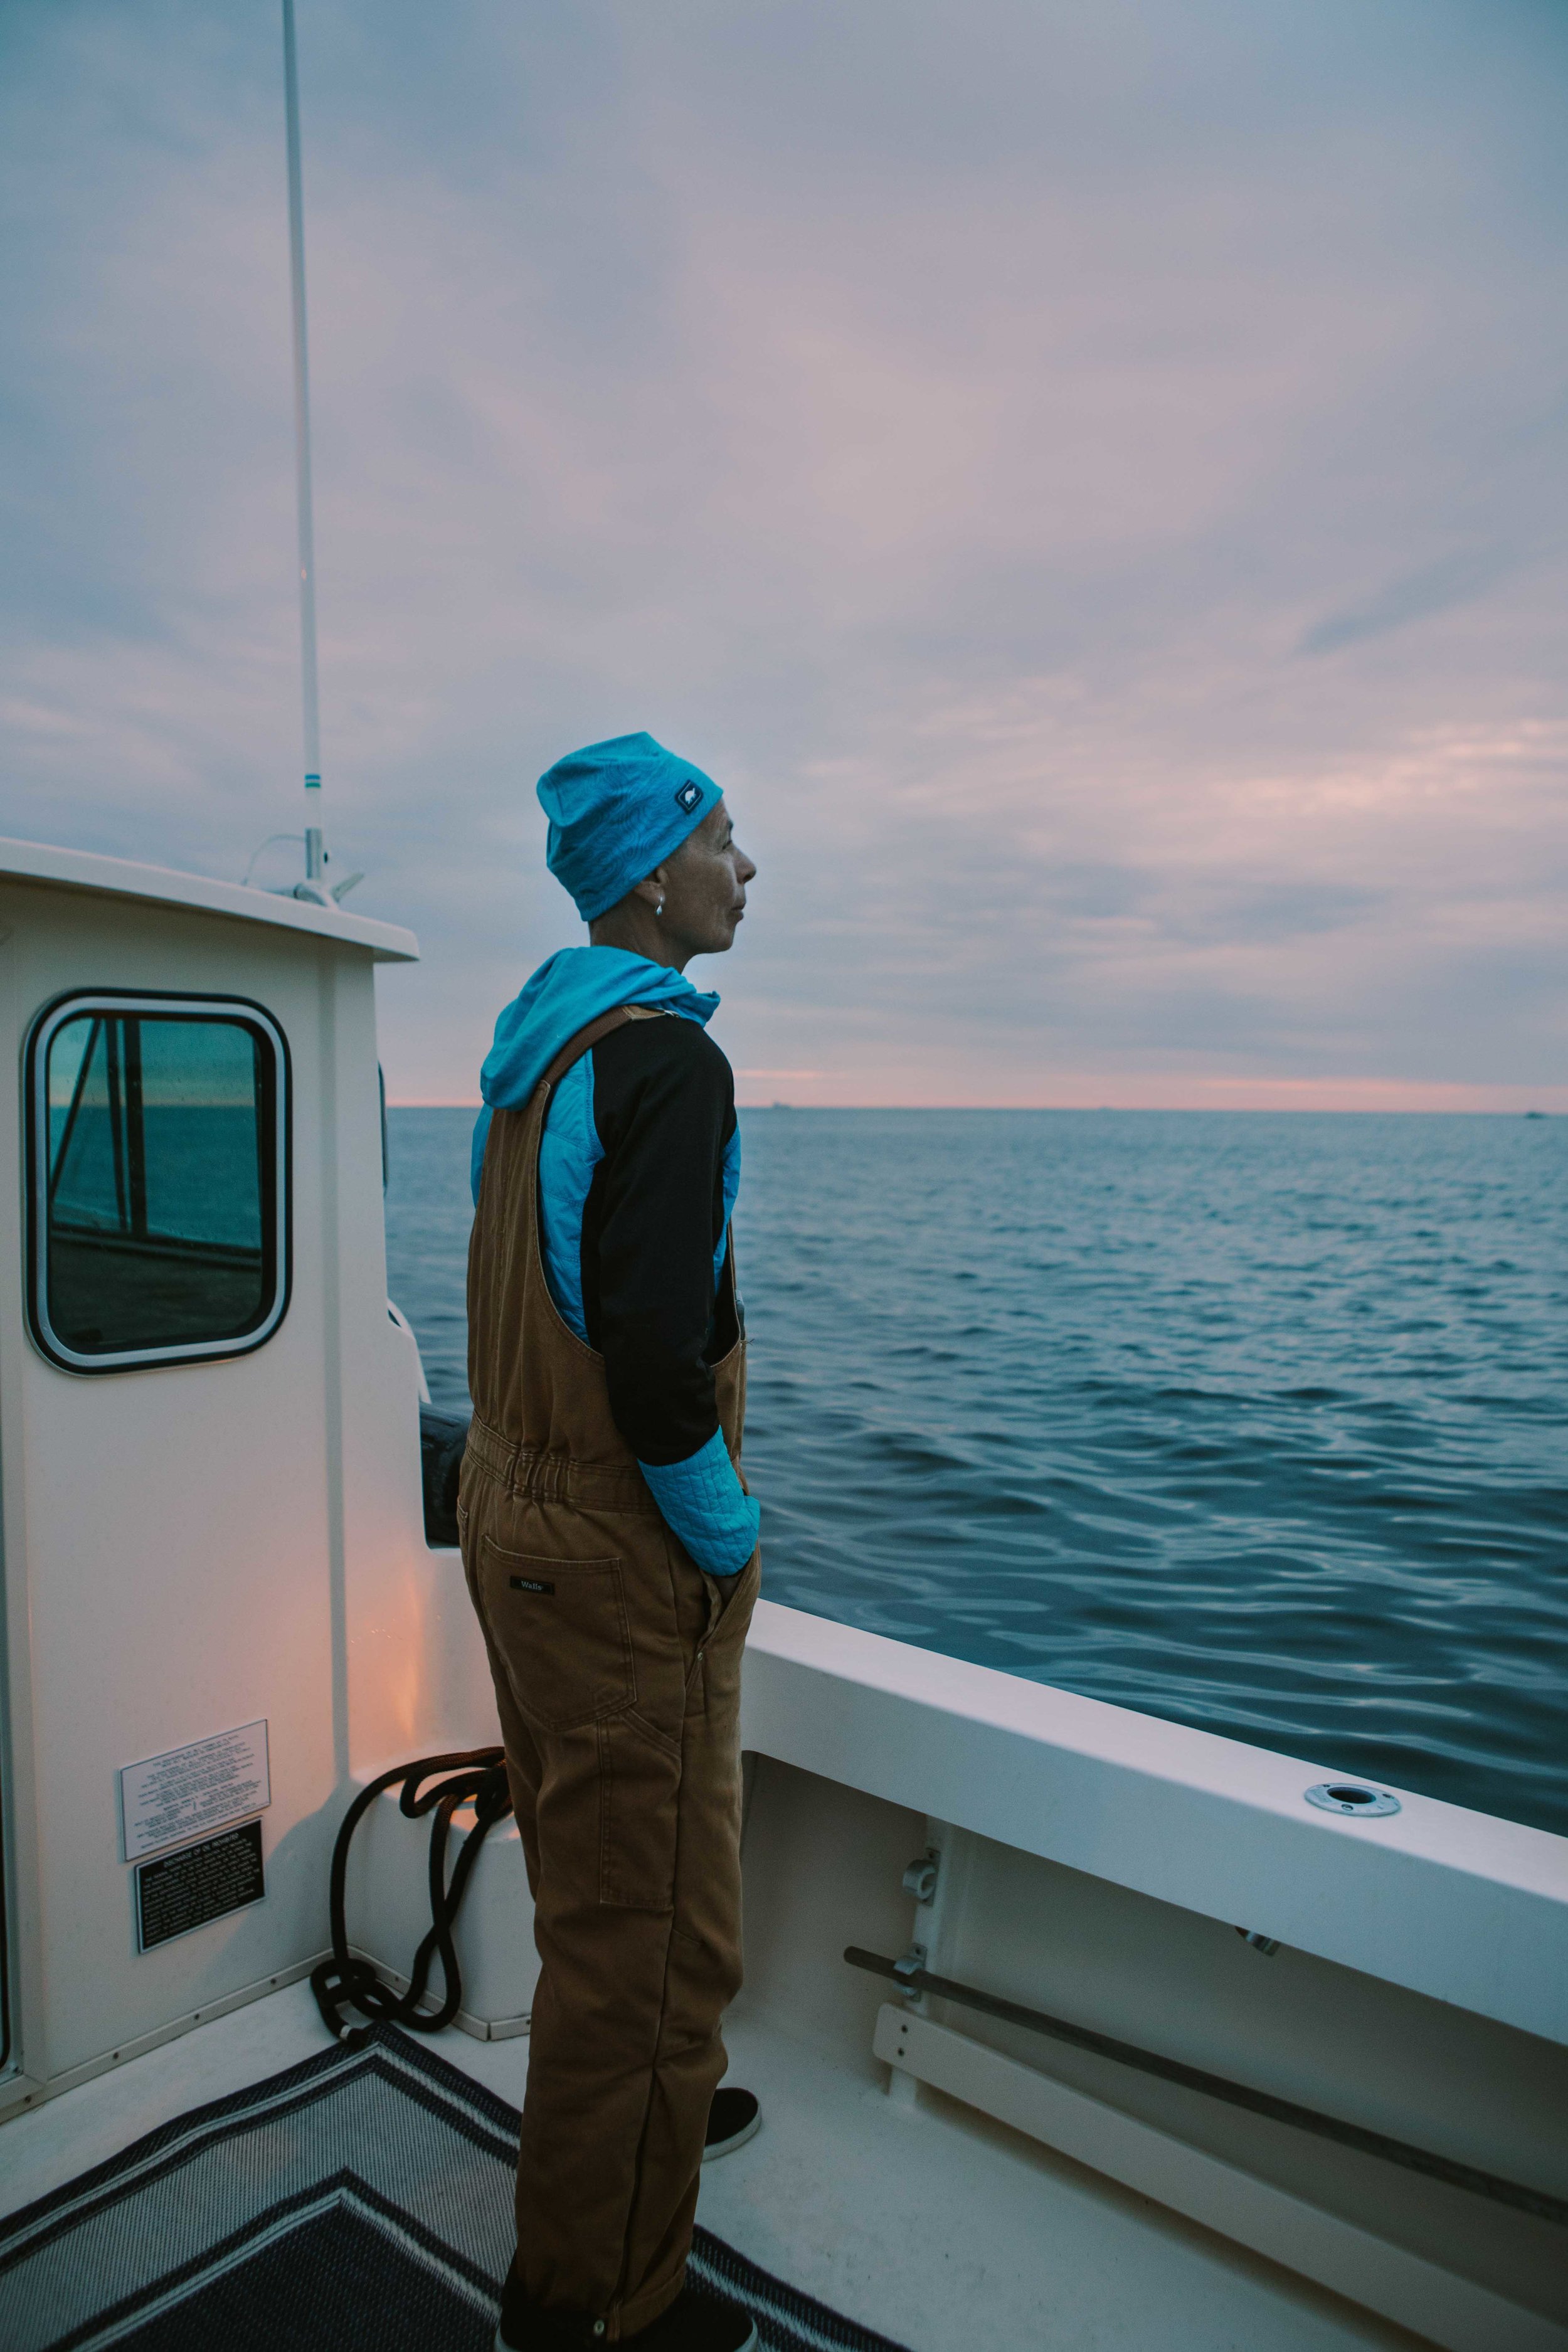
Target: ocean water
{"points": [[1250, 1421]]}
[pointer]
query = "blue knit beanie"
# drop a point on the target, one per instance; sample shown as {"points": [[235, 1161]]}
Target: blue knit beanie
{"points": [[617, 810]]}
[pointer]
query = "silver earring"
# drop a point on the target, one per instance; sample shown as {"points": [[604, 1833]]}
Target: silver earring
{"points": [[660, 909]]}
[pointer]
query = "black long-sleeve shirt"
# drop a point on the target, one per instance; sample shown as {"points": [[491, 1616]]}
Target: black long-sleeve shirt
{"points": [[653, 1224]]}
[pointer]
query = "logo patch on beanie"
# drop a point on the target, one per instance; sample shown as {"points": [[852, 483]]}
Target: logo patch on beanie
{"points": [[689, 795]]}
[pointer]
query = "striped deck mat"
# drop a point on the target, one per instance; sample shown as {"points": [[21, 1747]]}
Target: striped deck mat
{"points": [[359, 2202]]}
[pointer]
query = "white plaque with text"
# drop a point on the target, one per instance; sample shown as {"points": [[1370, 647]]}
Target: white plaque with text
{"points": [[169, 1799]]}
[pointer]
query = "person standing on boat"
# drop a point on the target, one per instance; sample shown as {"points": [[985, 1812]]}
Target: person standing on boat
{"points": [[610, 1546]]}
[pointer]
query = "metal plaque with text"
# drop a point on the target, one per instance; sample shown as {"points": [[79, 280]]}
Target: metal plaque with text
{"points": [[168, 1800], [201, 1882]]}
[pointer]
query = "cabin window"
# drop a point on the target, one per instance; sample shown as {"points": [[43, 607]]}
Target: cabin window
{"points": [[158, 1194]]}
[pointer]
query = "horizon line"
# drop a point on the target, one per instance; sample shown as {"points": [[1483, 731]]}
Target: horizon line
{"points": [[1196, 1111]]}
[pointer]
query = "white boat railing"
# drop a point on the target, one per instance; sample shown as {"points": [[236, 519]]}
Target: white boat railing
{"points": [[1460, 1906]]}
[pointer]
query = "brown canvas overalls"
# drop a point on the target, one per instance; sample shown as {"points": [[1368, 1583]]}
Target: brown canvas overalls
{"points": [[617, 1675]]}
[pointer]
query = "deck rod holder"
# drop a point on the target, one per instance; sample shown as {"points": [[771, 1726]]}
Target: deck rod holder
{"points": [[1535, 2201]]}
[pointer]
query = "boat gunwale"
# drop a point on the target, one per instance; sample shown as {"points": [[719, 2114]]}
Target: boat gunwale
{"points": [[1466, 1907]]}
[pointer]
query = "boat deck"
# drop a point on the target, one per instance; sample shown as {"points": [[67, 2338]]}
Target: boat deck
{"points": [[923, 2221]]}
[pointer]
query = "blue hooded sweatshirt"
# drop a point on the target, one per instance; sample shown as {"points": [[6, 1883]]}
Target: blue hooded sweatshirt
{"points": [[570, 989], [702, 1498]]}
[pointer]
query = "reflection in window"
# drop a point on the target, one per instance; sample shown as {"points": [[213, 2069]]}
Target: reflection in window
{"points": [[160, 1172]]}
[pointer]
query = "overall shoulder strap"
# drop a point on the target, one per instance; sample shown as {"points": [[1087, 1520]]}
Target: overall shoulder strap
{"points": [[585, 1039]]}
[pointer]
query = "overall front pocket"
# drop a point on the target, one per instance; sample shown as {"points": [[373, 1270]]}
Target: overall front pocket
{"points": [[560, 1627]]}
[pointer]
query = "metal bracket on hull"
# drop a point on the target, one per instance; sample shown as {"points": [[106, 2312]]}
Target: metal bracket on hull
{"points": [[920, 1878]]}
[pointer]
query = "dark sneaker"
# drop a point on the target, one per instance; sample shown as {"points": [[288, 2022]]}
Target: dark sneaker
{"points": [[529, 2326], [699, 2323], [733, 2119], [693, 2323]]}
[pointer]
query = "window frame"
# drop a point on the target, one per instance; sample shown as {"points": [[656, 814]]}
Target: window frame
{"points": [[241, 1010]]}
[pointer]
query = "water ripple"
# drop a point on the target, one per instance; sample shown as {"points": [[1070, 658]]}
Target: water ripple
{"points": [[1254, 1423]]}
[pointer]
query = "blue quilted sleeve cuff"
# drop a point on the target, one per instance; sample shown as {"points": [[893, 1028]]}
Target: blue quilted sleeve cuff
{"points": [[707, 1506]]}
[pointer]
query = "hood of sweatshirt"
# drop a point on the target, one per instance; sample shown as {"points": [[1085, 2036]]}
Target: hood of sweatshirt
{"points": [[571, 988]]}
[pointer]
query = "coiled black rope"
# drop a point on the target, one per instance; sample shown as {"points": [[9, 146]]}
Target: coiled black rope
{"points": [[475, 1776]]}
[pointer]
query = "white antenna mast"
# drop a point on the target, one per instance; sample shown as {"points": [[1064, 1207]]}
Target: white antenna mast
{"points": [[315, 846]]}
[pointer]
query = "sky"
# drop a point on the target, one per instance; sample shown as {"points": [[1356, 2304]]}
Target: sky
{"points": [[1087, 476]]}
